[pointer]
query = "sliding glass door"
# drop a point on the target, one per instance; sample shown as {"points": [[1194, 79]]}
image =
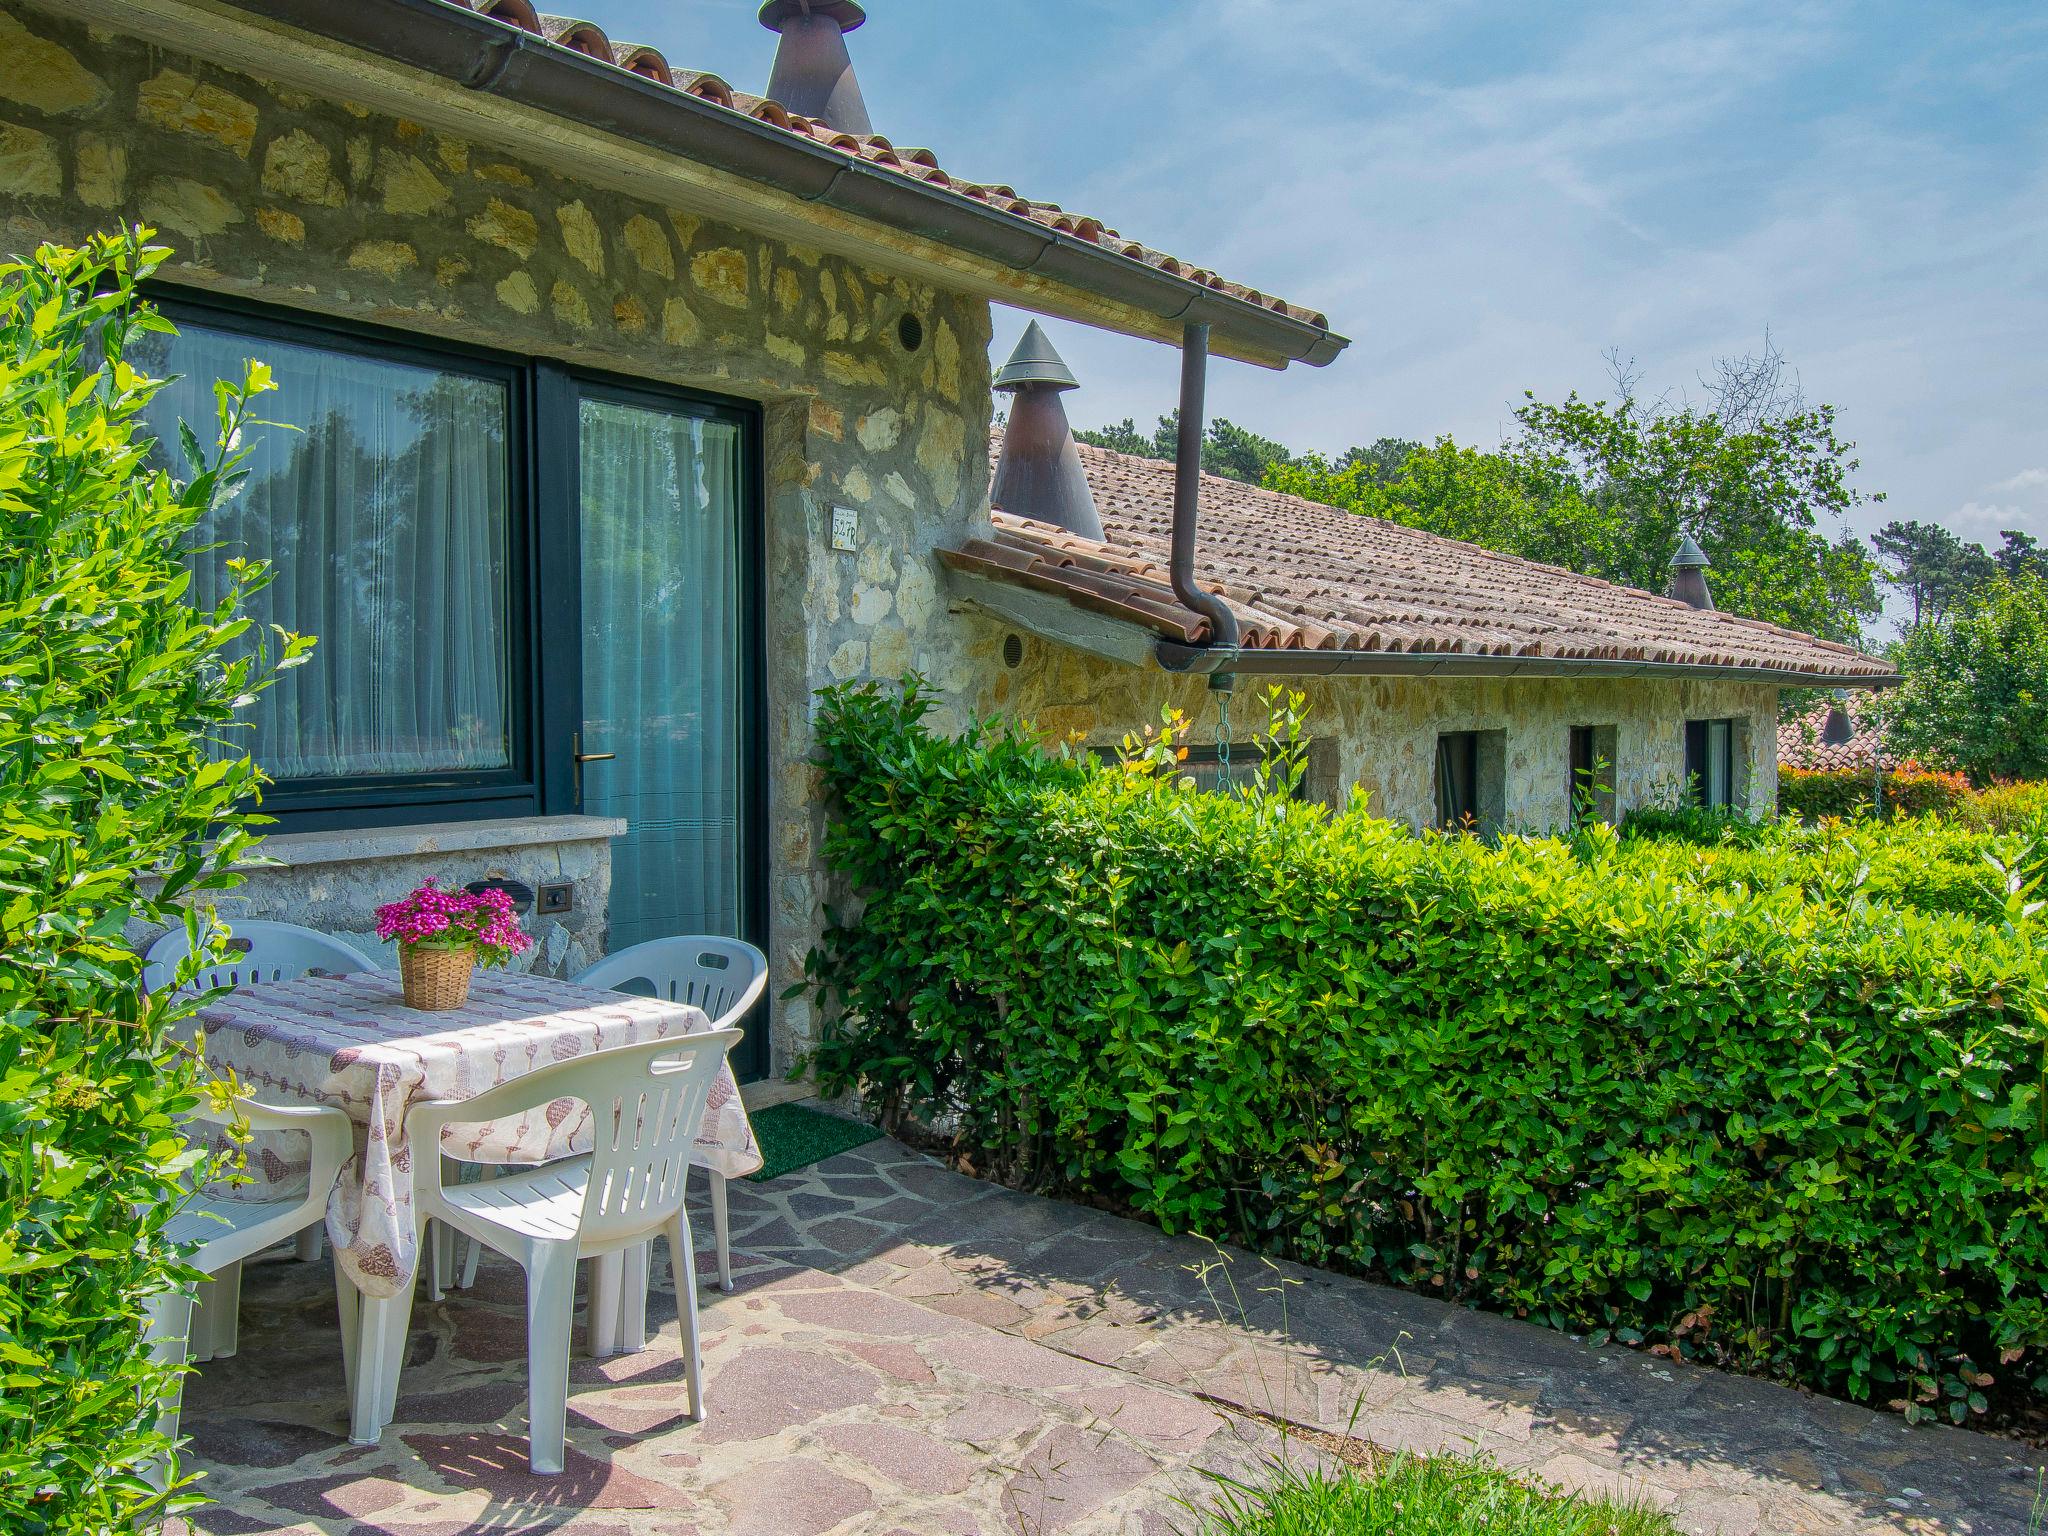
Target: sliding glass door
{"points": [[535, 592], [669, 735]]}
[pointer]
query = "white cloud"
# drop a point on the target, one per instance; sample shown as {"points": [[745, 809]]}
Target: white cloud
{"points": [[2025, 480], [1982, 522]]}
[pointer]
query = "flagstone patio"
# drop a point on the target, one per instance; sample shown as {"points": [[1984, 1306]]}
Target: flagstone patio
{"points": [[912, 1351]]}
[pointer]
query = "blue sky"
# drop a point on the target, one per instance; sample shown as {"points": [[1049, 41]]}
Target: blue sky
{"points": [[1487, 197]]}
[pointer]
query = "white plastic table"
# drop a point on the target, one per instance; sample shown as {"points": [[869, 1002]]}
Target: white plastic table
{"points": [[350, 1041]]}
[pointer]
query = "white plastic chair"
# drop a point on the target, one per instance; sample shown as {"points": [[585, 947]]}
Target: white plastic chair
{"points": [[724, 977], [183, 1326], [263, 952], [646, 1101]]}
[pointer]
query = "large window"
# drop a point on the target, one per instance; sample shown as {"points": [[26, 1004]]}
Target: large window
{"points": [[382, 495], [500, 560], [1712, 763]]}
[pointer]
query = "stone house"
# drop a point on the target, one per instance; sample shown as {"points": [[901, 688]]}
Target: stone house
{"points": [[1453, 685], [631, 409]]}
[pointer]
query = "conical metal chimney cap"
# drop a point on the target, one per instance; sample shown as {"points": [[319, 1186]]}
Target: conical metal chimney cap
{"points": [[1689, 576], [1838, 730], [776, 13], [813, 73], [1035, 362]]}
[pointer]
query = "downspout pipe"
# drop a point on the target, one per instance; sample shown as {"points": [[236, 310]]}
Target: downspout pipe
{"points": [[1187, 500]]}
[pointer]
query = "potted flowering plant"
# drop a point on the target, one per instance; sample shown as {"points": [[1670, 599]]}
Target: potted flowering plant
{"points": [[443, 936]]}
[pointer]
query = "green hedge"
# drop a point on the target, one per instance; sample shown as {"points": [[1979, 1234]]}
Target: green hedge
{"points": [[113, 805], [1928, 865], [1548, 1078], [1814, 793]]}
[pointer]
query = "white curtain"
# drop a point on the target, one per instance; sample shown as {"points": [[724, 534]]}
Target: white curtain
{"points": [[382, 502], [1720, 788], [661, 658]]}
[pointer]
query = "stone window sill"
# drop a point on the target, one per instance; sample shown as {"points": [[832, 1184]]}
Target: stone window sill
{"points": [[302, 850]]}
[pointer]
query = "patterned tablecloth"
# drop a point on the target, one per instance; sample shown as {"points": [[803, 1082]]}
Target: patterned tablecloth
{"points": [[350, 1041]]}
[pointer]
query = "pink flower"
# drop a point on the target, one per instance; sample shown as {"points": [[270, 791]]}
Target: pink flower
{"points": [[484, 919]]}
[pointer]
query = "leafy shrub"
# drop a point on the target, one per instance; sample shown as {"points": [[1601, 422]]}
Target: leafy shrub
{"points": [[1708, 826], [1813, 793], [1568, 1081], [2020, 808], [111, 687], [1930, 864]]}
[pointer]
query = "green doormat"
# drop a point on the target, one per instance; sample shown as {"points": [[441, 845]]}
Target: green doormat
{"points": [[793, 1137]]}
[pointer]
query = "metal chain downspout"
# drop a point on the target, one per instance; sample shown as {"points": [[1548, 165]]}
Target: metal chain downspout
{"points": [[1223, 781]]}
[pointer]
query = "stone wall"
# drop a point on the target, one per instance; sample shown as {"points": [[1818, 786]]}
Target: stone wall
{"points": [[1383, 730], [329, 207], [335, 881]]}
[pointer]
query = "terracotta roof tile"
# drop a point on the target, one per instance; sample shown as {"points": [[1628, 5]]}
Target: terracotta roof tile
{"points": [[1300, 575], [916, 164], [1800, 744]]}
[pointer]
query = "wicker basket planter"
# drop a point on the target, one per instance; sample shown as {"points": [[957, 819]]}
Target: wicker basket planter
{"points": [[435, 979]]}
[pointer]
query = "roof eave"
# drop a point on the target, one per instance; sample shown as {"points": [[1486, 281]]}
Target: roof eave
{"points": [[1059, 618], [1054, 618], [1014, 258]]}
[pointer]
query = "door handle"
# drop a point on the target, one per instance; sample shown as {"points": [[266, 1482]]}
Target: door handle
{"points": [[577, 758]]}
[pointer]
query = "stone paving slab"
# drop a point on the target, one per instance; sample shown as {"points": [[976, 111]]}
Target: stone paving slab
{"points": [[912, 1352], [1724, 1453], [832, 1408]]}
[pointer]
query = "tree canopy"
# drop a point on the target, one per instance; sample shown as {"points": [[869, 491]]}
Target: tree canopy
{"points": [[1236, 453], [1939, 572], [1976, 690], [1608, 489]]}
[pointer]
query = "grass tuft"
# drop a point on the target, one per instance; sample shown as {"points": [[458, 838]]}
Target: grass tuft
{"points": [[1409, 1496]]}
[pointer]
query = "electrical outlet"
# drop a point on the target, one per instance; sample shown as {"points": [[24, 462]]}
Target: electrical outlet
{"points": [[556, 898], [845, 529]]}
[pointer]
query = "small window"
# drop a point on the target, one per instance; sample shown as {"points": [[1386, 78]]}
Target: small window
{"points": [[1710, 763], [1204, 765], [1457, 779], [1590, 789], [1471, 781]]}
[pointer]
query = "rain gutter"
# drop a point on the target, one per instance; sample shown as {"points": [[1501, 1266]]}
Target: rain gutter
{"points": [[1196, 660], [498, 59]]}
